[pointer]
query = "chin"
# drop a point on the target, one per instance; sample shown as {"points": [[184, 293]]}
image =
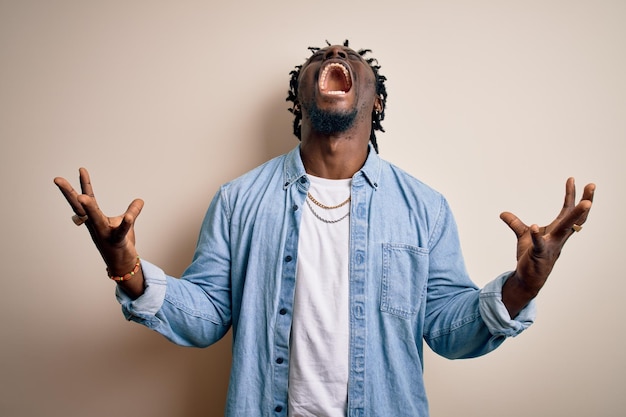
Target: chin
{"points": [[328, 122]]}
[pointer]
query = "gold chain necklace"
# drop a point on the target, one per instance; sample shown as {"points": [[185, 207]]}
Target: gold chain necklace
{"points": [[325, 207], [323, 219], [317, 203]]}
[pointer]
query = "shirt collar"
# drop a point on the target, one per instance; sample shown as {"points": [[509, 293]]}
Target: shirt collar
{"points": [[294, 168]]}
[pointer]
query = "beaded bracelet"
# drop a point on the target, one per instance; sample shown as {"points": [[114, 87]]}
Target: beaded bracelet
{"points": [[127, 276]]}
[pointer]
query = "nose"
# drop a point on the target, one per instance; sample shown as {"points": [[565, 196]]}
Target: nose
{"points": [[335, 52]]}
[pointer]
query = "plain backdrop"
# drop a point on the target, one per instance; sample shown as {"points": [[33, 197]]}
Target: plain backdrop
{"points": [[493, 103]]}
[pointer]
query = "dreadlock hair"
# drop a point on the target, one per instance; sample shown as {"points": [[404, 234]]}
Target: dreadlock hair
{"points": [[381, 91]]}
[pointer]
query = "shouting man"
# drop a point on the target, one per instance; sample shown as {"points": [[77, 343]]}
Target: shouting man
{"points": [[330, 265]]}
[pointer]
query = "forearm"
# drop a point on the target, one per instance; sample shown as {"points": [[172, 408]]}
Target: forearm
{"points": [[458, 331], [191, 316]]}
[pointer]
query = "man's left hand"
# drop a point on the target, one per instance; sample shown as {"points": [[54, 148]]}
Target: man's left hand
{"points": [[538, 248]]}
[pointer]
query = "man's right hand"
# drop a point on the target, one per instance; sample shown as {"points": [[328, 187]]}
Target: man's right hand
{"points": [[114, 236]]}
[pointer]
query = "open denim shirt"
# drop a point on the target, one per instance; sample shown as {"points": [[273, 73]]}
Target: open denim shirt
{"points": [[408, 283]]}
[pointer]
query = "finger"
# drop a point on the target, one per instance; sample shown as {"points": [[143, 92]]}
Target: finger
{"points": [[570, 193], [537, 238], [570, 197], [85, 182], [518, 227], [130, 216], [96, 216], [578, 215], [580, 212], [570, 213], [70, 195], [589, 192]]}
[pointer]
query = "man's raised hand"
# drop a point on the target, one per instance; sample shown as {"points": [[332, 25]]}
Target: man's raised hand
{"points": [[113, 236], [538, 248]]}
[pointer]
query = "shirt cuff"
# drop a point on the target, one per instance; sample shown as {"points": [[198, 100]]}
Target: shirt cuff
{"points": [[145, 307], [495, 314]]}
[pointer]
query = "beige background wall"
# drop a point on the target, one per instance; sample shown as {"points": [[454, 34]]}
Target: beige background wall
{"points": [[494, 103]]}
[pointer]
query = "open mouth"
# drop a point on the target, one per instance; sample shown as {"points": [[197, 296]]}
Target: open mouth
{"points": [[335, 79]]}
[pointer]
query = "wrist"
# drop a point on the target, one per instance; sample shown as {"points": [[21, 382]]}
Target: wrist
{"points": [[120, 274], [516, 294], [521, 286]]}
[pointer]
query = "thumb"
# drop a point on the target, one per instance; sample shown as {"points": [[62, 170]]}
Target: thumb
{"points": [[517, 226]]}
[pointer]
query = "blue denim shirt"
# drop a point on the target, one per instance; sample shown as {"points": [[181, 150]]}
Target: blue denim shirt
{"points": [[408, 283]]}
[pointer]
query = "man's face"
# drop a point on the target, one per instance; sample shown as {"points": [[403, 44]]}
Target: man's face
{"points": [[336, 88]]}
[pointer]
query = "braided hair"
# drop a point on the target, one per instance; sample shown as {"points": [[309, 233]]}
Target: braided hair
{"points": [[381, 91]]}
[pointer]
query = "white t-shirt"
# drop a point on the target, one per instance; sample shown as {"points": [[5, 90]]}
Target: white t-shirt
{"points": [[319, 354]]}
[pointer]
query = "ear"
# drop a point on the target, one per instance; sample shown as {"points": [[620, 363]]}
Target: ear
{"points": [[378, 105]]}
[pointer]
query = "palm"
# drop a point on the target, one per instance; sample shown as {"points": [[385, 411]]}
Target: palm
{"points": [[114, 236], [538, 248]]}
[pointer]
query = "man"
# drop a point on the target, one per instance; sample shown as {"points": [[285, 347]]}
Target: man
{"points": [[330, 264]]}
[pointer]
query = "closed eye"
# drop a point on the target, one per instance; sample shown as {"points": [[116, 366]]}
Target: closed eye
{"points": [[317, 55], [355, 55]]}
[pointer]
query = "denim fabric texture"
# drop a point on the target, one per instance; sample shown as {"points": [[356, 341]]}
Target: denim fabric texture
{"points": [[408, 284]]}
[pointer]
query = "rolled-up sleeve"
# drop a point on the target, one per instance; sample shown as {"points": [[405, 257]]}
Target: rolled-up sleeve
{"points": [[495, 314], [144, 308]]}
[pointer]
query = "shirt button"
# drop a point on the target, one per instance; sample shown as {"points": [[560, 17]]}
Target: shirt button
{"points": [[302, 180], [282, 311], [279, 360], [278, 409], [288, 258], [295, 207]]}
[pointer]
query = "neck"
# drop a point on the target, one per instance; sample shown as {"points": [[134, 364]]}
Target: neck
{"points": [[333, 157]]}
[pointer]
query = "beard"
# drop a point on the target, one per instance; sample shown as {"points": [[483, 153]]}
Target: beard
{"points": [[328, 122]]}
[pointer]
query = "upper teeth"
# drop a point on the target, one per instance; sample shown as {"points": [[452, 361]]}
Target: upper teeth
{"points": [[326, 71]]}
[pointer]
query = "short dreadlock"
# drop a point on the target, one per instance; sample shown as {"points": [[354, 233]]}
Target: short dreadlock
{"points": [[381, 91]]}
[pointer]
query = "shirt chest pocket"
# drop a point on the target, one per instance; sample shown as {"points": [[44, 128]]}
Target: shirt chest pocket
{"points": [[405, 274]]}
